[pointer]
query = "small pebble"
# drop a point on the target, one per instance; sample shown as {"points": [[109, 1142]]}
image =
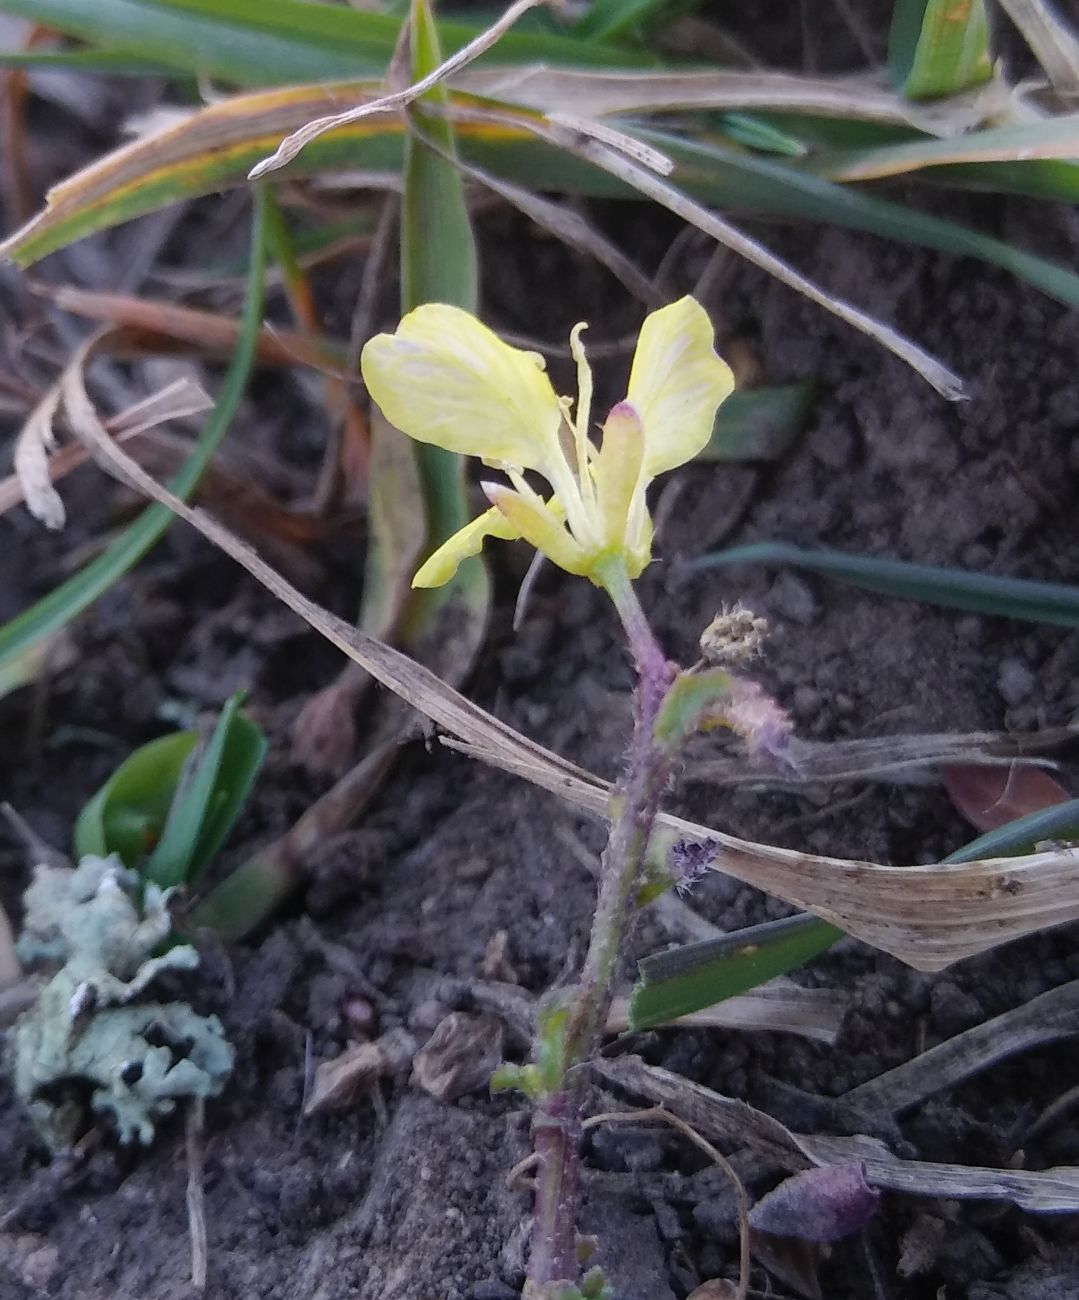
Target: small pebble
{"points": [[792, 599], [1015, 681]]}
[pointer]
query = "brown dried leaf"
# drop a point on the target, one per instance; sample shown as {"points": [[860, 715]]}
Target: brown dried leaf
{"points": [[460, 1056], [989, 797], [339, 1082]]}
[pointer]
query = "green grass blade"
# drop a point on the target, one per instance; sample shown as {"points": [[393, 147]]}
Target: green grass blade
{"points": [[698, 975], [724, 178], [983, 593], [760, 423], [62, 604], [1054, 138], [1023, 835], [939, 47], [1039, 179], [195, 160], [438, 257], [205, 808], [268, 42], [115, 62], [611, 19]]}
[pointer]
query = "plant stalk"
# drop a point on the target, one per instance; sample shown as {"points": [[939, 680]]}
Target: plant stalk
{"points": [[556, 1134]]}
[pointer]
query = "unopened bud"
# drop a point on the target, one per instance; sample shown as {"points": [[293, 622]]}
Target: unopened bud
{"points": [[733, 637]]}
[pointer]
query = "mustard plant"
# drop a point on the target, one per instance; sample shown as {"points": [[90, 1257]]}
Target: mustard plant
{"points": [[444, 378]]}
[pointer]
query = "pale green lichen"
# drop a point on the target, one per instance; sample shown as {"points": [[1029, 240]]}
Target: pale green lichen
{"points": [[88, 1032]]}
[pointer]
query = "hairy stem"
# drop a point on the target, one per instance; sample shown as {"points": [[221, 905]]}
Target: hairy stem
{"points": [[553, 1263]]}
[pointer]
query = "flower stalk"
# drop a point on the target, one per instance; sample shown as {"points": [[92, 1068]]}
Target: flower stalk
{"points": [[444, 378], [554, 1264]]}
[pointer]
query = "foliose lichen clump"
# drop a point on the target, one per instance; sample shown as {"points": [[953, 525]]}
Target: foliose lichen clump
{"points": [[90, 1041]]}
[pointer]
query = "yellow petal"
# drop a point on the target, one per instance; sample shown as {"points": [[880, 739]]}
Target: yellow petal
{"points": [[676, 384], [445, 378], [617, 472], [539, 525], [440, 567]]}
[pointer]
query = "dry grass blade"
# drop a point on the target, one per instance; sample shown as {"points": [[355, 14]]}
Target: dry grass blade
{"points": [[293, 144], [1048, 1191], [10, 966], [928, 916], [602, 94], [619, 162], [176, 401], [1051, 39], [196, 1193], [37, 439], [899, 759], [152, 323], [572, 229], [1048, 1018]]}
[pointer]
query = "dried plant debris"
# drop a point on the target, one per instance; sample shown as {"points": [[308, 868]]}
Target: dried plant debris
{"points": [[89, 1032], [460, 1056]]}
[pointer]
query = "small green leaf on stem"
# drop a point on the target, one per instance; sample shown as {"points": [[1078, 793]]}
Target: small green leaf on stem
{"points": [[688, 703]]}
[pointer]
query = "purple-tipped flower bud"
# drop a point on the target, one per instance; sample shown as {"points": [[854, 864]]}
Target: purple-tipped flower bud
{"points": [[820, 1205], [689, 860]]}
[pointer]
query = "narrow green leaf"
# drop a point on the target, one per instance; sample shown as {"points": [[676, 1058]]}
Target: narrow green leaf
{"points": [[743, 182], [205, 807], [438, 264], [758, 133], [1054, 138], [126, 814], [216, 149], [1038, 179], [1019, 598], [1061, 822], [114, 62], [610, 19], [80, 591], [760, 423], [698, 975], [939, 47], [269, 42]]}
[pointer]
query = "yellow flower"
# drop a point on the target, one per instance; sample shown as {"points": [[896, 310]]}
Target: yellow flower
{"points": [[445, 378]]}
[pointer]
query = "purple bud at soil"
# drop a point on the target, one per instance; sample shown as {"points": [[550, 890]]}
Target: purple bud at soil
{"points": [[819, 1205]]}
